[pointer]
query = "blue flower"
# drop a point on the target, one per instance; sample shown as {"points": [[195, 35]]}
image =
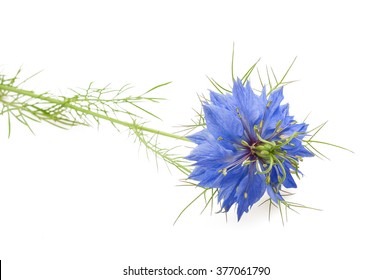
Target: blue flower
{"points": [[251, 145]]}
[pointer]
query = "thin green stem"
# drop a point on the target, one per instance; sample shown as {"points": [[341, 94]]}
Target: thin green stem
{"points": [[188, 205], [88, 112], [325, 143]]}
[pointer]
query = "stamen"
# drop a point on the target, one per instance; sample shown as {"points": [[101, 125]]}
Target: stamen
{"points": [[282, 169], [244, 143], [257, 165], [237, 112], [247, 162], [224, 171], [260, 124], [268, 179]]}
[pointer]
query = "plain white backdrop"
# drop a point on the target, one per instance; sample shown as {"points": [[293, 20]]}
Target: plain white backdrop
{"points": [[84, 204]]}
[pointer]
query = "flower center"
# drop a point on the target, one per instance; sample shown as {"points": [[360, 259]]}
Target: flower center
{"points": [[268, 154], [264, 150]]}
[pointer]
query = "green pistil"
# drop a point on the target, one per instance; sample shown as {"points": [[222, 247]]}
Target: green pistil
{"points": [[270, 153]]}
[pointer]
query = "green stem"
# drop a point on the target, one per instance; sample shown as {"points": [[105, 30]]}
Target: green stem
{"points": [[326, 143], [88, 112]]}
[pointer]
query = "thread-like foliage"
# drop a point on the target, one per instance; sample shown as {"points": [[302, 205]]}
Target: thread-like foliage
{"points": [[88, 107]]}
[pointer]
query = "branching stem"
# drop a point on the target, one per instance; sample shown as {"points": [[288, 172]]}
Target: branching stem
{"points": [[89, 112]]}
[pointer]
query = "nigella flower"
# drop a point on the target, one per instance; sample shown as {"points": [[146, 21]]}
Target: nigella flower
{"points": [[250, 146]]}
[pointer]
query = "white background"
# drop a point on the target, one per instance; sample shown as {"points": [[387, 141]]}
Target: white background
{"points": [[84, 204]]}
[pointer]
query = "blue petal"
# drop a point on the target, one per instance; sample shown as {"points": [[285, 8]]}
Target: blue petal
{"points": [[274, 113], [289, 181], [212, 155], [208, 178], [275, 99], [229, 183], [289, 130], [284, 111], [303, 152], [225, 101], [263, 98], [297, 149], [250, 190], [249, 105], [275, 196], [201, 136], [223, 124]]}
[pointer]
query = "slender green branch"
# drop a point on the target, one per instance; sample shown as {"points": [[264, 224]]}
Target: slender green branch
{"points": [[188, 205], [88, 112], [326, 143]]}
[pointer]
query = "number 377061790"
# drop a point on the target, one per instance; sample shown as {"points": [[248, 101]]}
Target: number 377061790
{"points": [[249, 270]]}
